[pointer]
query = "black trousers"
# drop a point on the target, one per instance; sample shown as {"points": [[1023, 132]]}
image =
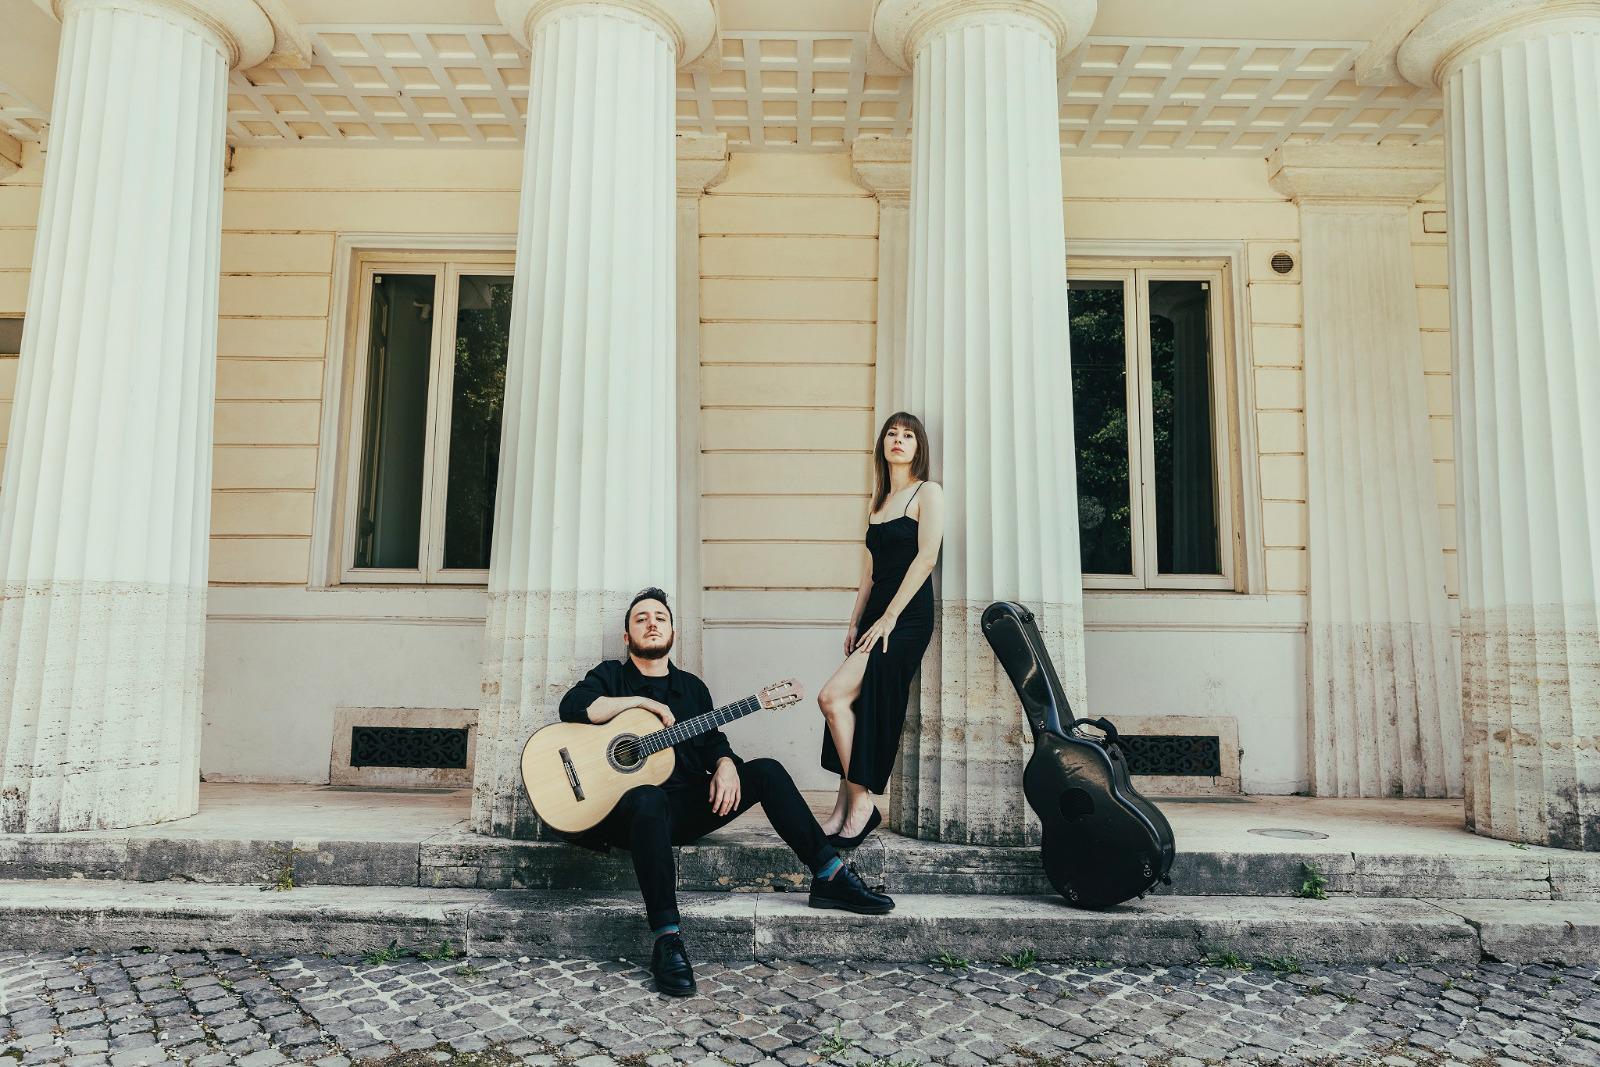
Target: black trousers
{"points": [[649, 820]]}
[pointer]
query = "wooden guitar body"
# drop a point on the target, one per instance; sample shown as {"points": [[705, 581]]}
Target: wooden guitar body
{"points": [[575, 773]]}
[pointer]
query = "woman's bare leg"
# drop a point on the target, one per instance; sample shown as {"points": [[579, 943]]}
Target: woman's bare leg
{"points": [[837, 701]]}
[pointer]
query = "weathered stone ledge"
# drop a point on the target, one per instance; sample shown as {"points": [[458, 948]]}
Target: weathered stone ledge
{"points": [[112, 915], [749, 861]]}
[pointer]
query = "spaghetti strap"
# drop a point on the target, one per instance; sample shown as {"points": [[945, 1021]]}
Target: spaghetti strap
{"points": [[907, 509]]}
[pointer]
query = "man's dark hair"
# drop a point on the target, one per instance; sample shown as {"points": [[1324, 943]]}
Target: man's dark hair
{"points": [[650, 593]]}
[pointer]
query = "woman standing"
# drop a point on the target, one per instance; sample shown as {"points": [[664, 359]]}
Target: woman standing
{"points": [[864, 703]]}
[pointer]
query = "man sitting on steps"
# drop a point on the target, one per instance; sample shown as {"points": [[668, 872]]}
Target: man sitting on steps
{"points": [[709, 788]]}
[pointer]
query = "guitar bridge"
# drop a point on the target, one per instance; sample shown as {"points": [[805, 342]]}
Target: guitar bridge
{"points": [[572, 774]]}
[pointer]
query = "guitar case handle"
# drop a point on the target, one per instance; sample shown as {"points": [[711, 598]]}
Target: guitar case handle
{"points": [[1101, 724]]}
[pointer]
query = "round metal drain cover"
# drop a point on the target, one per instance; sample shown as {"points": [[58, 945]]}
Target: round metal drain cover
{"points": [[1296, 835]]}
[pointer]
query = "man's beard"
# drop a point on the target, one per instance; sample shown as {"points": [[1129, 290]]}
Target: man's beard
{"points": [[652, 653]]}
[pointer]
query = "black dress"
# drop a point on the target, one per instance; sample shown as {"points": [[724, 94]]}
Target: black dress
{"points": [[881, 708]]}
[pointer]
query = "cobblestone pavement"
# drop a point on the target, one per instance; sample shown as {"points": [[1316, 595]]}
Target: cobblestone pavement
{"points": [[130, 1009]]}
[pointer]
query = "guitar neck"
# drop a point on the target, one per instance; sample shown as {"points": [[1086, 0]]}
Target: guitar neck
{"points": [[699, 724]]}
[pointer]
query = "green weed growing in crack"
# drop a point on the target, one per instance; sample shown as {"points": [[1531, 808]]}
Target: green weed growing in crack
{"points": [[834, 1044], [469, 972], [1518, 845], [1313, 885], [282, 878], [12, 1053], [1226, 959], [947, 962], [225, 984], [384, 955], [1025, 960], [1282, 964], [442, 951]]}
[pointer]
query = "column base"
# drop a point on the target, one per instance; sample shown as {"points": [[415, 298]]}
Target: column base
{"points": [[1531, 701], [100, 689]]}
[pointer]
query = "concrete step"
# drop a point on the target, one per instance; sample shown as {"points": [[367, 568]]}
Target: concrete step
{"points": [[112, 915], [752, 859]]}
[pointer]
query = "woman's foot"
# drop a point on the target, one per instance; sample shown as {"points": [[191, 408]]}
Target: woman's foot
{"points": [[835, 819], [862, 821]]}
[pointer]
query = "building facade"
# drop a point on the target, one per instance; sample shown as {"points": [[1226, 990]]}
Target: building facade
{"points": [[360, 366]]}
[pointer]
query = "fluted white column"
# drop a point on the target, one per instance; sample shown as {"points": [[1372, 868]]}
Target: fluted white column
{"points": [[1521, 79], [1383, 697], [586, 506], [987, 368], [105, 512]]}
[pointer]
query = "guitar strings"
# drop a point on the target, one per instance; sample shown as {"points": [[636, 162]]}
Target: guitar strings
{"points": [[603, 758]]}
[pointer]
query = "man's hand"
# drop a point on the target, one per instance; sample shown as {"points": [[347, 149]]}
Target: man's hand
{"points": [[656, 708], [604, 709], [725, 787]]}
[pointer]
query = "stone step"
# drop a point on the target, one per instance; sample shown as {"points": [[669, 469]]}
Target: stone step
{"points": [[116, 915], [754, 860]]}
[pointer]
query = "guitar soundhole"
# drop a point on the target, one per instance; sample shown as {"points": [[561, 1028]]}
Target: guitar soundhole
{"points": [[1076, 803], [624, 754]]}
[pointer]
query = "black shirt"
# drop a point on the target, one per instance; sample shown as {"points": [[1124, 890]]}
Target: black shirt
{"points": [[681, 691]]}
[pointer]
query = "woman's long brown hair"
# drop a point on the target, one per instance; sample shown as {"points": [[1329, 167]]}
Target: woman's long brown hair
{"points": [[880, 464]]}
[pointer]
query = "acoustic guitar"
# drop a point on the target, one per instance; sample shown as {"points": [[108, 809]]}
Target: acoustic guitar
{"points": [[1103, 841], [576, 772]]}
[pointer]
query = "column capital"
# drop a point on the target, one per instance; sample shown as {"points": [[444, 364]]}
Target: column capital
{"points": [[702, 161], [899, 27], [691, 25], [1430, 38], [883, 165], [1388, 174], [251, 32]]}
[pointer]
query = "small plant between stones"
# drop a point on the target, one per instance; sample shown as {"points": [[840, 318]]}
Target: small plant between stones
{"points": [[282, 879], [834, 1044], [1282, 964], [1313, 886], [947, 962], [1022, 961], [1226, 959], [393, 953]]}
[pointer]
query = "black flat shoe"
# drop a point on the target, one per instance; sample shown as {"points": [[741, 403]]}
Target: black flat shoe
{"points": [[847, 892], [851, 842], [669, 964]]}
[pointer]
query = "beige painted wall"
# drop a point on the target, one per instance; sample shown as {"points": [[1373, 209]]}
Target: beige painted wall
{"points": [[789, 258]]}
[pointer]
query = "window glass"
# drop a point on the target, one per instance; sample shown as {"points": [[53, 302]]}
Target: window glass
{"points": [[394, 444], [1097, 311], [1180, 393], [483, 329]]}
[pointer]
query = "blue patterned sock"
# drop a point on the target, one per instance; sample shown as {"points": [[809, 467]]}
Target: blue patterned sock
{"points": [[830, 868]]}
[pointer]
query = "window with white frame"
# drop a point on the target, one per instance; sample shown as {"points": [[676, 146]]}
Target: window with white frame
{"points": [[1149, 406], [429, 390]]}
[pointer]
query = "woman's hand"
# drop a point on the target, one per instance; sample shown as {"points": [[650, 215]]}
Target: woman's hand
{"points": [[880, 631], [850, 639], [724, 787]]}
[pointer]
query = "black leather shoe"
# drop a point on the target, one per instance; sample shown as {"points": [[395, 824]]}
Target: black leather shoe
{"points": [[852, 842], [847, 892], [669, 964]]}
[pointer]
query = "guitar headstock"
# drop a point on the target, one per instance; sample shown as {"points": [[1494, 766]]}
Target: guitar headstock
{"points": [[781, 694]]}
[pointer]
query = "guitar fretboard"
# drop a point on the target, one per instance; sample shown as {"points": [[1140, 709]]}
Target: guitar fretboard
{"points": [[699, 724]]}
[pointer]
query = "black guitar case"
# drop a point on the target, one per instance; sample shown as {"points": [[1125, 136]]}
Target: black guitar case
{"points": [[1104, 843]]}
